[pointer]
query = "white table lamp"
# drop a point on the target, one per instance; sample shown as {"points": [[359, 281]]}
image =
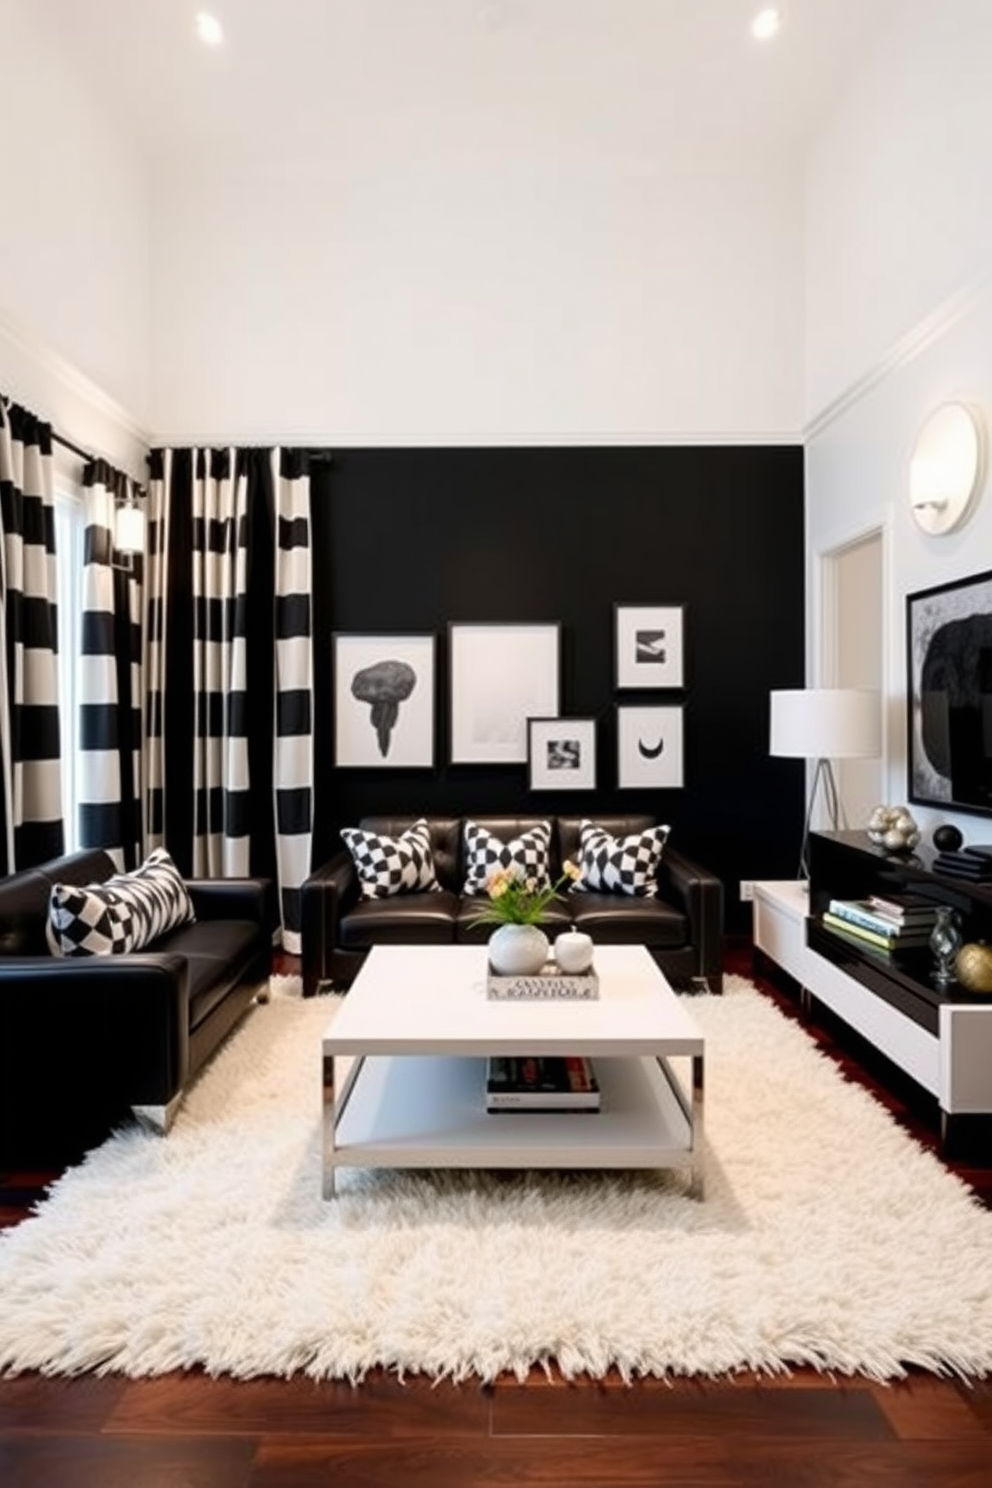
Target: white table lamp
{"points": [[824, 724]]}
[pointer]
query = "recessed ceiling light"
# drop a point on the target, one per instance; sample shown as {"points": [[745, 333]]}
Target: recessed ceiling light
{"points": [[767, 23], [209, 29]]}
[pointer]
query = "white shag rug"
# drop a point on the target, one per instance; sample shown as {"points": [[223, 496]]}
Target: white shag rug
{"points": [[827, 1237]]}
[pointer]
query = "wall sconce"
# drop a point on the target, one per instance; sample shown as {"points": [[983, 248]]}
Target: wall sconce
{"points": [[947, 468], [129, 526]]}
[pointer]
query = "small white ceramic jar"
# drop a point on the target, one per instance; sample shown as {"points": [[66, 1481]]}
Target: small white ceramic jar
{"points": [[573, 951]]}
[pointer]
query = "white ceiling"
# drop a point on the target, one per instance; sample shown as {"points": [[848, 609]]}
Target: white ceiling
{"points": [[413, 79]]}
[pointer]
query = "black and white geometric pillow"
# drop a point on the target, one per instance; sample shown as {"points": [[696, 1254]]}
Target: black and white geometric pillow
{"points": [[527, 855], [125, 913], [620, 865], [392, 865]]}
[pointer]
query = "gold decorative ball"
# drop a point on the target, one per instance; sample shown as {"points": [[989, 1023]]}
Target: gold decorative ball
{"points": [[973, 967]]}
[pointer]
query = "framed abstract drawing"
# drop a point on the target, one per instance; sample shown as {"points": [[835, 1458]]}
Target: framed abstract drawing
{"points": [[648, 644], [383, 701], [500, 675], [949, 688], [561, 753], [649, 748]]}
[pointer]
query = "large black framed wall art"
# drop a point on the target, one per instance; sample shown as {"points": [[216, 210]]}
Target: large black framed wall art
{"points": [[500, 675], [949, 675], [383, 701]]}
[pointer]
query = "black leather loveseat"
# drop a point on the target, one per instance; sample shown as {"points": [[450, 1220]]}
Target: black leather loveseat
{"points": [[83, 1039], [682, 926]]}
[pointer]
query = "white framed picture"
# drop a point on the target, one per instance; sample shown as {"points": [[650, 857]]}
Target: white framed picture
{"points": [[561, 753], [649, 747], [383, 701], [648, 643], [500, 676]]}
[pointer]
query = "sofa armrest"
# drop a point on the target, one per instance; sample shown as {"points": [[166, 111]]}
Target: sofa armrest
{"points": [[699, 894], [234, 899], [126, 1018], [327, 894]]}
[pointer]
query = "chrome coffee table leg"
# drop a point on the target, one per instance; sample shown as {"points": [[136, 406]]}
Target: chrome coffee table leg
{"points": [[328, 1124], [698, 1185], [335, 1105]]}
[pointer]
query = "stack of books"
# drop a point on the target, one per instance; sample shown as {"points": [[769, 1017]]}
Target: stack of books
{"points": [[536, 1083], [972, 863], [892, 922]]}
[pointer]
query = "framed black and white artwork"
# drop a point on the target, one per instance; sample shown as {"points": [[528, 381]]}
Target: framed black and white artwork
{"points": [[561, 753], [649, 747], [949, 664], [383, 701], [500, 675], [648, 643]]}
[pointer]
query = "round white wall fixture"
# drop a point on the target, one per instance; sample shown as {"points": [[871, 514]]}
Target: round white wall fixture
{"points": [[946, 468]]}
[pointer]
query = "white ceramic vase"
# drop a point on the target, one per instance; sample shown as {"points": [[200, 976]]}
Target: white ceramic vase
{"points": [[518, 950]]}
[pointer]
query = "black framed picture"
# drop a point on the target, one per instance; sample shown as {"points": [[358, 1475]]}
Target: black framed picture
{"points": [[561, 753], [383, 701], [500, 676], [648, 642], [649, 747], [949, 688]]}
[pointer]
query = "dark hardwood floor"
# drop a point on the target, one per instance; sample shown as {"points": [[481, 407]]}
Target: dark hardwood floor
{"points": [[803, 1431]]}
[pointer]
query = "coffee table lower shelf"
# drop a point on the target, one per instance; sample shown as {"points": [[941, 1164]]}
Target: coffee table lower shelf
{"points": [[429, 1111]]}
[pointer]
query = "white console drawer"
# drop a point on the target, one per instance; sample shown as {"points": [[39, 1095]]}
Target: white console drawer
{"points": [[779, 925], [908, 1045]]}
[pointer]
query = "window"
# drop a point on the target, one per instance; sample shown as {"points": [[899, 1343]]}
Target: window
{"points": [[69, 533]]}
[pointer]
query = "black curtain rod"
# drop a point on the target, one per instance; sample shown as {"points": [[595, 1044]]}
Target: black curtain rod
{"points": [[68, 444]]}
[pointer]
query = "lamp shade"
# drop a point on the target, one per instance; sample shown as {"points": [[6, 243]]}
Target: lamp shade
{"points": [[826, 723]]}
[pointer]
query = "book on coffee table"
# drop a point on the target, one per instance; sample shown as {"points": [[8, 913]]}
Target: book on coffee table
{"points": [[541, 1083]]}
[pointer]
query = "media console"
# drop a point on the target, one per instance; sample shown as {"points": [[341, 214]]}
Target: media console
{"points": [[943, 1039]]}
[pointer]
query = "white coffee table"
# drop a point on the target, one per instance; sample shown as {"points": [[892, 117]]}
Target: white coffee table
{"points": [[404, 1069]]}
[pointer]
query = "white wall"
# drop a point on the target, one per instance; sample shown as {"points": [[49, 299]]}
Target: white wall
{"points": [[899, 312], [899, 211], [565, 289], [581, 299], [74, 315]]}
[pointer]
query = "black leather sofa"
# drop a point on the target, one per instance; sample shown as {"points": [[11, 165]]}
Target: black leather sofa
{"points": [[682, 927], [85, 1039]]}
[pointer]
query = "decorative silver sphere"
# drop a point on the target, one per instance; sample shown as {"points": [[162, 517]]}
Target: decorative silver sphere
{"points": [[893, 828]]}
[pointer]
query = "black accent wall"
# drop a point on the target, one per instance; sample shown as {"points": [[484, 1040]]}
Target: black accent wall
{"points": [[411, 539]]}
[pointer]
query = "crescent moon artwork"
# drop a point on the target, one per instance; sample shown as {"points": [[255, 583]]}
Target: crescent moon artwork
{"points": [[649, 746]]}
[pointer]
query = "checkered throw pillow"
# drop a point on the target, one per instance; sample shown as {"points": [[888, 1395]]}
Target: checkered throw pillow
{"points": [[392, 865], [620, 865], [125, 913], [526, 855]]}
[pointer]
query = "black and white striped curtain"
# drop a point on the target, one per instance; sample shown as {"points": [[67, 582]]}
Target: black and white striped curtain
{"points": [[109, 762], [31, 798], [229, 688]]}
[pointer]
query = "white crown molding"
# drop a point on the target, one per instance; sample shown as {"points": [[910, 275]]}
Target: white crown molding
{"points": [[444, 439], [923, 335], [68, 377]]}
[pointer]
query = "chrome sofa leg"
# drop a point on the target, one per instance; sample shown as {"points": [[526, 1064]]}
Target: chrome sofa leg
{"points": [[158, 1118]]}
